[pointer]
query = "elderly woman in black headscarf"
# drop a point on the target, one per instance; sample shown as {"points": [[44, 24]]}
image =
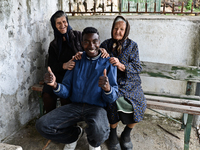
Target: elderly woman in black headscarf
{"points": [[66, 43], [131, 104]]}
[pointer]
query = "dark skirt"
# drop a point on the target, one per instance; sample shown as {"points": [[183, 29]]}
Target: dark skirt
{"points": [[118, 112], [126, 118]]}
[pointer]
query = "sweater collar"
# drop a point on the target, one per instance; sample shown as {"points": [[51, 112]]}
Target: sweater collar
{"points": [[94, 58]]}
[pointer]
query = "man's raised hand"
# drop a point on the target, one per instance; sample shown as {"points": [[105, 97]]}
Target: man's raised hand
{"points": [[50, 79], [104, 82]]}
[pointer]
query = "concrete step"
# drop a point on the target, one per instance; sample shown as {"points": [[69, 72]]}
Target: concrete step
{"points": [[4, 146]]}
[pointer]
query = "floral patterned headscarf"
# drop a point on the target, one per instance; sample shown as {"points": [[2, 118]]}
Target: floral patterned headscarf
{"points": [[117, 44]]}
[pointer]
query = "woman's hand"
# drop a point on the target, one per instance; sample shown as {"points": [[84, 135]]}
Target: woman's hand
{"points": [[115, 62], [77, 56], [104, 53], [50, 79], [69, 65]]}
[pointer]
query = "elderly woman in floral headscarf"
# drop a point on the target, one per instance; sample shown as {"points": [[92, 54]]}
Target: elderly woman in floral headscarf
{"points": [[131, 104]]}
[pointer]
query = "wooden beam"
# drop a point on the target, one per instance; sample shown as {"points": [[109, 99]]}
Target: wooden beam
{"points": [[37, 87], [173, 107], [173, 101], [169, 71], [187, 97], [41, 82]]}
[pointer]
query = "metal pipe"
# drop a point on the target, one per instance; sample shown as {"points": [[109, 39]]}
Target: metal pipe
{"points": [[137, 8], [128, 11], [145, 7], [192, 7], [61, 4], [111, 6], [128, 6], [114, 12]]}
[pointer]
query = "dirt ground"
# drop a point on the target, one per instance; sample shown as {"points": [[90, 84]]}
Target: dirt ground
{"points": [[146, 135]]}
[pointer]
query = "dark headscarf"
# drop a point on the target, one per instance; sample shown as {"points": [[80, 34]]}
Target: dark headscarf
{"points": [[57, 34], [117, 44]]}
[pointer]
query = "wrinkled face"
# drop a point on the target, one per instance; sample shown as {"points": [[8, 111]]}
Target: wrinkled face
{"points": [[61, 24], [119, 30], [91, 44]]}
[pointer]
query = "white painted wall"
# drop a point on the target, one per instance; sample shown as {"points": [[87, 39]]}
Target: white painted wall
{"points": [[25, 34], [166, 39]]}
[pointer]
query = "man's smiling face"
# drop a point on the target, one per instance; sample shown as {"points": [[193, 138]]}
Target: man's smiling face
{"points": [[91, 44]]}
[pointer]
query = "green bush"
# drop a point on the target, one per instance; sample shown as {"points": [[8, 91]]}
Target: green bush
{"points": [[189, 5]]}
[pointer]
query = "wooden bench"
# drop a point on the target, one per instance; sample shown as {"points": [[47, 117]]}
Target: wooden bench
{"points": [[38, 88], [188, 104]]}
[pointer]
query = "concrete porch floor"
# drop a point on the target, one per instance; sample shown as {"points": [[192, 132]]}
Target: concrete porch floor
{"points": [[146, 135]]}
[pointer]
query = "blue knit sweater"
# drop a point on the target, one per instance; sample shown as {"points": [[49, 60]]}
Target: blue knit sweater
{"points": [[81, 83]]}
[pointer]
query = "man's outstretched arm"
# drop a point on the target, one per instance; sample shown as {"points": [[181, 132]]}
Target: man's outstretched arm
{"points": [[62, 90]]}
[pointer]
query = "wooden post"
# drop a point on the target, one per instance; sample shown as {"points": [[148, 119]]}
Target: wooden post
{"points": [[187, 118], [41, 104], [187, 131]]}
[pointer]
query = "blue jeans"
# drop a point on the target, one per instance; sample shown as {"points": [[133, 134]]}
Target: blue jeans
{"points": [[59, 124]]}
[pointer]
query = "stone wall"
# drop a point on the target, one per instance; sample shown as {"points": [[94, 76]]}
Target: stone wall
{"points": [[25, 33]]}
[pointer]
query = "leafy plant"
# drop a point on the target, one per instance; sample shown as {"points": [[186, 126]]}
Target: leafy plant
{"points": [[189, 5]]}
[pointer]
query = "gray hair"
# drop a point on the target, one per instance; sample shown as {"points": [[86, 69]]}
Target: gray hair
{"points": [[59, 14], [120, 19]]}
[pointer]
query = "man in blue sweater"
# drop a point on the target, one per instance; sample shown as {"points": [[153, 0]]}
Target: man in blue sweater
{"points": [[90, 85]]}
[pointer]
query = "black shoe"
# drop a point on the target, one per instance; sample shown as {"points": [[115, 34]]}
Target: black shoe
{"points": [[114, 146], [126, 145]]}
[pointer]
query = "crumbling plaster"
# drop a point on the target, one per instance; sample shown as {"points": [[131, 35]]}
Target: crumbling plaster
{"points": [[25, 34]]}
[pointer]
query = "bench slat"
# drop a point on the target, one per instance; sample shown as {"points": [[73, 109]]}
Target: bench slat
{"points": [[187, 97], [173, 107], [37, 87], [41, 82], [169, 71], [173, 100]]}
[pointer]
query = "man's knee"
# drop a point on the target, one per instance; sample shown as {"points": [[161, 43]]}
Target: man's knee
{"points": [[98, 136], [98, 128], [42, 125], [38, 125]]}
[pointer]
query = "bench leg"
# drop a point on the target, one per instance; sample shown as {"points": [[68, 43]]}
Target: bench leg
{"points": [[41, 104], [187, 131]]}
